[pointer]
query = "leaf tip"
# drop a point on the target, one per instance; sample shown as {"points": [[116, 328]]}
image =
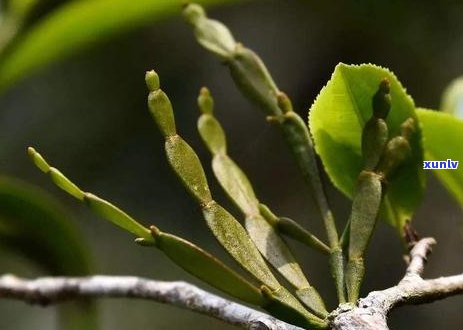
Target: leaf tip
{"points": [[152, 80], [38, 160], [205, 101]]}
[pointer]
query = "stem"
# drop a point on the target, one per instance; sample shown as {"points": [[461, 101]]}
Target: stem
{"points": [[52, 290]]}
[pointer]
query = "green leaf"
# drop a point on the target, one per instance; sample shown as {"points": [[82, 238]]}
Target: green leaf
{"points": [[76, 26], [207, 268], [336, 120], [237, 186], [442, 136], [98, 205]]}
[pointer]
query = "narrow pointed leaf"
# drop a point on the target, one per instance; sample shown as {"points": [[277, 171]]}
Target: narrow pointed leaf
{"points": [[281, 304], [228, 231], [442, 136], [100, 206], [236, 241], [235, 183], [207, 268], [116, 216], [336, 120]]}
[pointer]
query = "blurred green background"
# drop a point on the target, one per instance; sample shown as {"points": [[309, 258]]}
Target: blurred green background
{"points": [[87, 114]]}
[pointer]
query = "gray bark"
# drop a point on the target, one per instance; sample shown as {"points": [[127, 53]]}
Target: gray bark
{"points": [[370, 313]]}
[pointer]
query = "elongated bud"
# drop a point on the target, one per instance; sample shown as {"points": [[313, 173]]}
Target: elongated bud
{"points": [[205, 101], [211, 34], [160, 106], [209, 128], [397, 149], [284, 102], [374, 138], [152, 81], [38, 160], [252, 77], [382, 100]]}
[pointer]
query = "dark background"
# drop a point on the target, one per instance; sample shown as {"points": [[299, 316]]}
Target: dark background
{"points": [[88, 116]]}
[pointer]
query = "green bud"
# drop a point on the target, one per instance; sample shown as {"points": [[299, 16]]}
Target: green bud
{"points": [[205, 101], [284, 102], [209, 128], [374, 138], [38, 160], [193, 13], [407, 128], [152, 81], [382, 99], [211, 34], [397, 149]]}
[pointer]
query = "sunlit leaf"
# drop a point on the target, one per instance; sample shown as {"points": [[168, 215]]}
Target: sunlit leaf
{"points": [[336, 121], [442, 136]]}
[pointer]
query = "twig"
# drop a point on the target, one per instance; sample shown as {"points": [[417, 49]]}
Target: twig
{"points": [[52, 290], [418, 257], [371, 312]]}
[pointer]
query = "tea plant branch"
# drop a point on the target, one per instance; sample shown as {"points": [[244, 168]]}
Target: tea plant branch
{"points": [[371, 312], [255, 82], [51, 290]]}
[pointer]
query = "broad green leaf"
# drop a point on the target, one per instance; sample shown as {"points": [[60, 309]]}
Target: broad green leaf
{"points": [[452, 98], [442, 136], [336, 121], [36, 226], [76, 26]]}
